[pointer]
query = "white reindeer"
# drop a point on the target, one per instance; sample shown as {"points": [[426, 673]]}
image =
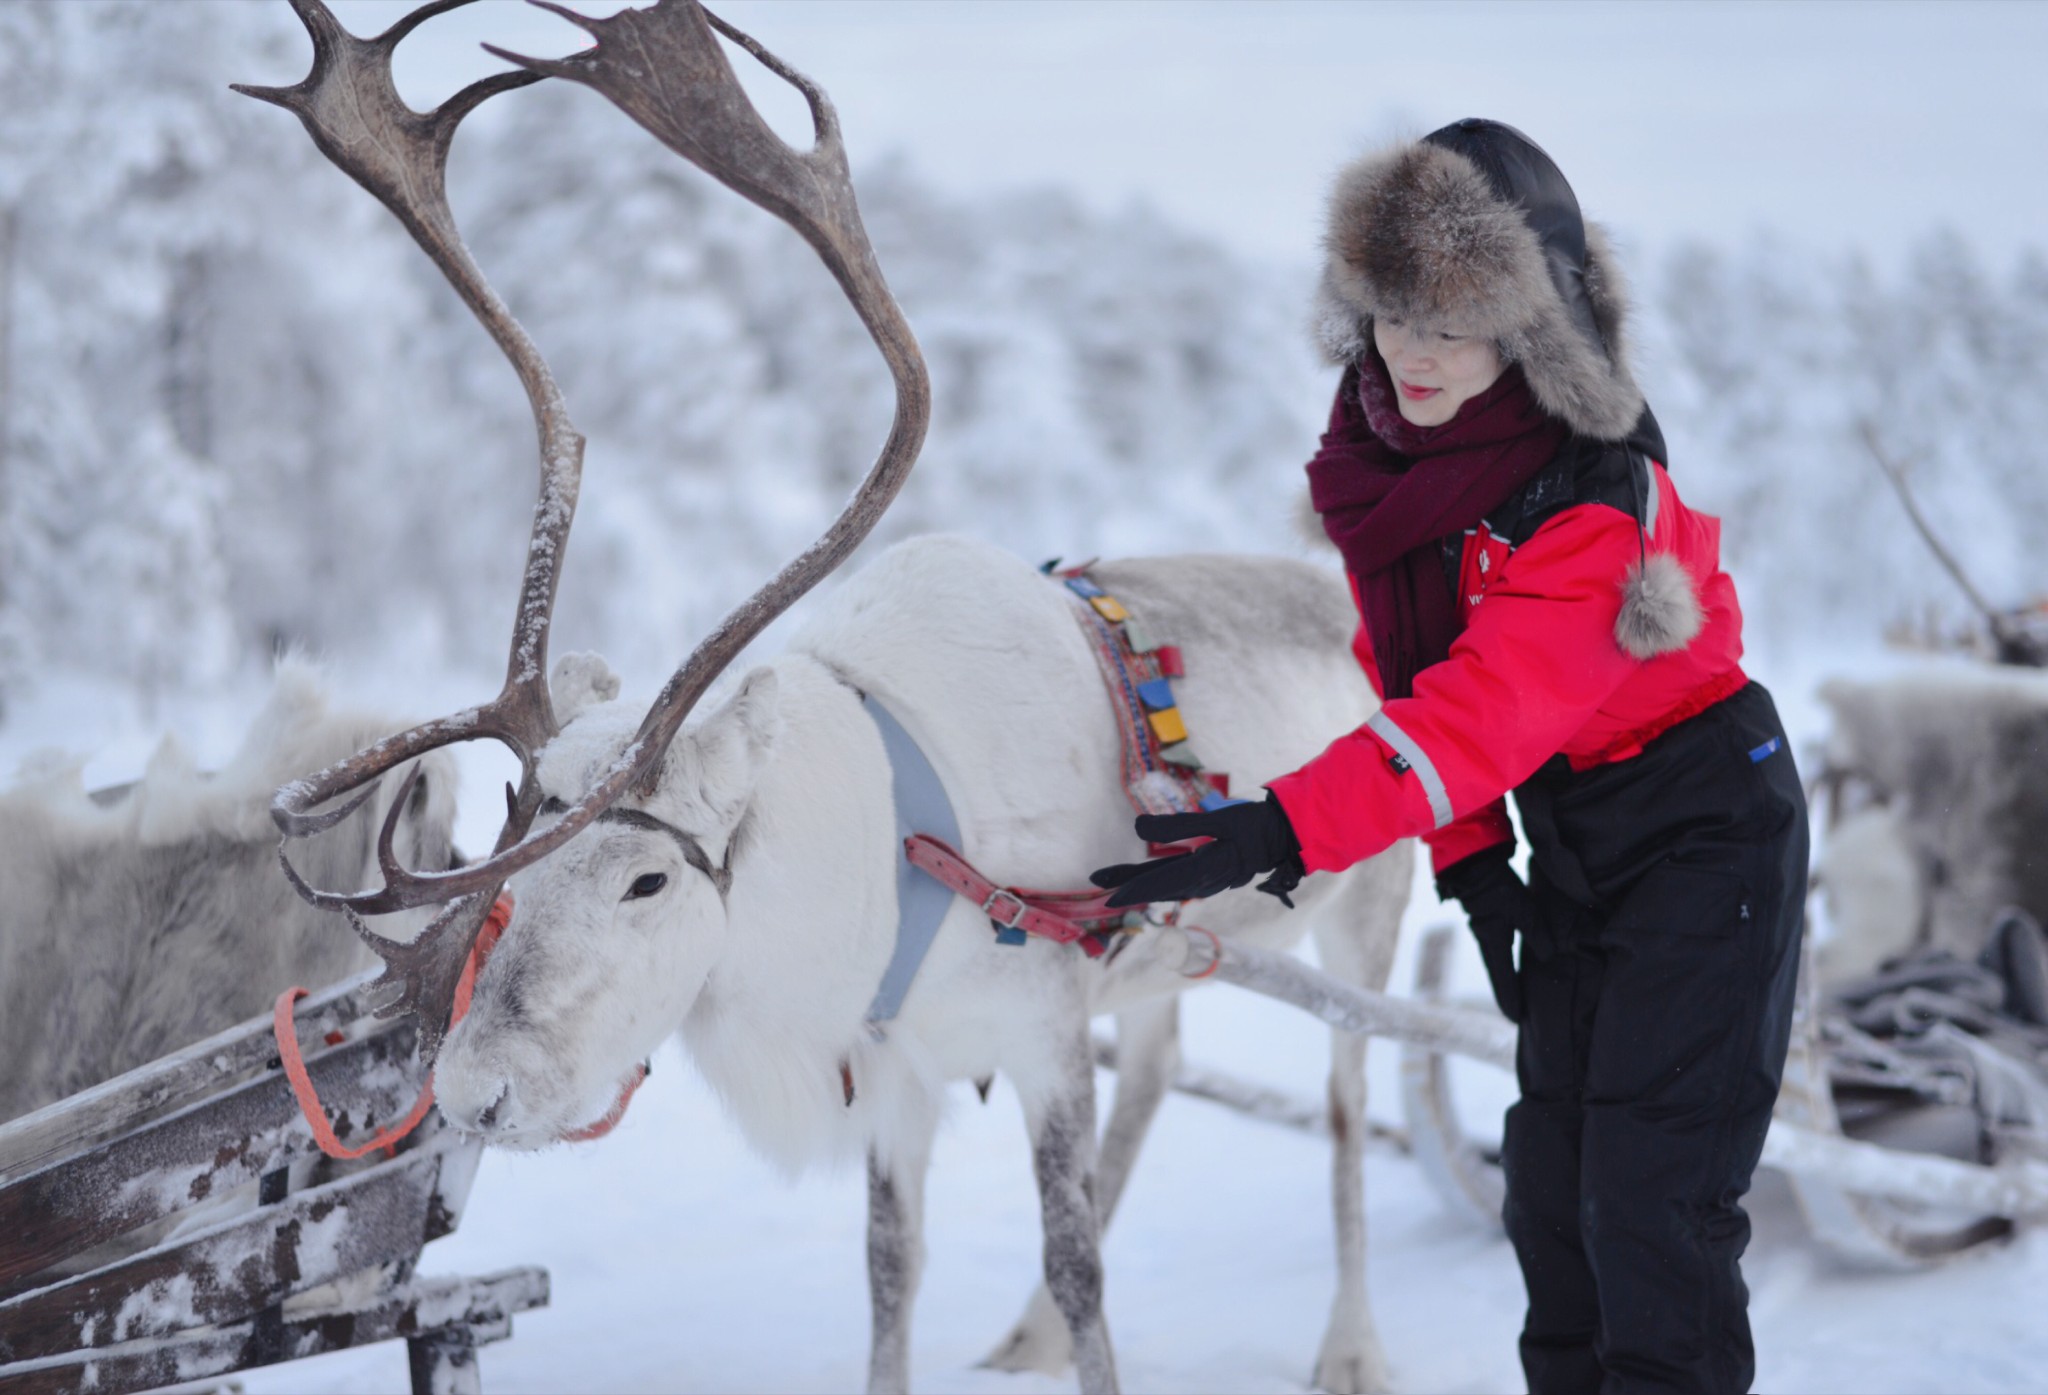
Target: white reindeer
{"points": [[139, 920], [736, 882], [749, 902]]}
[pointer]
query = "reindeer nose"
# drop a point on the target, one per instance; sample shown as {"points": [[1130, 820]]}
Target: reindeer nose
{"points": [[492, 1115]]}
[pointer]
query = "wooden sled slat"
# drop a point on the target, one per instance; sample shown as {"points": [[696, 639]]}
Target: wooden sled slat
{"points": [[480, 1309], [115, 1107], [204, 1150], [244, 1265]]}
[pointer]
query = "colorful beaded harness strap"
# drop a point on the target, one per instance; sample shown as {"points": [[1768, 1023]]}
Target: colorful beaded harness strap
{"points": [[1162, 773]]}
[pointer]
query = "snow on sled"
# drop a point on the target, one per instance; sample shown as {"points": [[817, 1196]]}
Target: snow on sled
{"points": [[178, 1222]]}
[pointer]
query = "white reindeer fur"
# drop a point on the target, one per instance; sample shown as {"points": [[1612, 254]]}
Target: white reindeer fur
{"points": [[135, 927], [984, 663]]}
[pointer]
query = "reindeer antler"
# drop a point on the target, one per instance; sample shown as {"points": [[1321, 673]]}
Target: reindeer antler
{"points": [[666, 69]]}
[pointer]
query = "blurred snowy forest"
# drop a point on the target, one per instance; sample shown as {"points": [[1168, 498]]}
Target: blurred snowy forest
{"points": [[239, 410]]}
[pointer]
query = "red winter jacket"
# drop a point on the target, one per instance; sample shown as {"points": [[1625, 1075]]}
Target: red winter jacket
{"points": [[1538, 670]]}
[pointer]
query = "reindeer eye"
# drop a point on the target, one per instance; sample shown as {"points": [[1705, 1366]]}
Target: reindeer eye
{"points": [[645, 884]]}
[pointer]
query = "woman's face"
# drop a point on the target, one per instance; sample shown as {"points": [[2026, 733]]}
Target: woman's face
{"points": [[1435, 370]]}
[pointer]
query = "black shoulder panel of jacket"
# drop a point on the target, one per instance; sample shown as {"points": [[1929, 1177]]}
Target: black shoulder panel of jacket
{"points": [[1585, 471]]}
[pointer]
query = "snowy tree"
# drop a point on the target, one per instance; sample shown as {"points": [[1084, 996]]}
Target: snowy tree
{"points": [[1774, 362]]}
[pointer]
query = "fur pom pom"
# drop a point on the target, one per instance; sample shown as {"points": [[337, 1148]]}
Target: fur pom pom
{"points": [[1660, 611]]}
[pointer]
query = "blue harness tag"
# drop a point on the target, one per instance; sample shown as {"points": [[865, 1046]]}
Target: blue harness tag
{"points": [[1763, 751], [1157, 695]]}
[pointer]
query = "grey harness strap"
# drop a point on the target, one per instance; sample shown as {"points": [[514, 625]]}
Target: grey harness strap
{"points": [[922, 902]]}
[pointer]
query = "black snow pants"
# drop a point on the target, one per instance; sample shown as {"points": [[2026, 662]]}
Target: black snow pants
{"points": [[1658, 988]]}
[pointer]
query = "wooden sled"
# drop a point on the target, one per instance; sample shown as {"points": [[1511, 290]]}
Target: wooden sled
{"points": [[178, 1223]]}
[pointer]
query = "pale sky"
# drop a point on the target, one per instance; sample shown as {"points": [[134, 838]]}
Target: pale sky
{"points": [[1838, 124]]}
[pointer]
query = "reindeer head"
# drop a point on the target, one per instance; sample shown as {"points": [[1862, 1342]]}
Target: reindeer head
{"points": [[614, 935], [667, 70]]}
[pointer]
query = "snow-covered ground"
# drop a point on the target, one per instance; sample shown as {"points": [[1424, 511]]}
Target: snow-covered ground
{"points": [[681, 1263]]}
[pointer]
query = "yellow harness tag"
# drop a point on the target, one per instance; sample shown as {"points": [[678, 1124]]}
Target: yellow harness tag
{"points": [[1167, 725]]}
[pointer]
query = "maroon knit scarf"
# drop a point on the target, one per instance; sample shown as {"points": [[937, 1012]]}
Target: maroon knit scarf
{"points": [[1389, 491]]}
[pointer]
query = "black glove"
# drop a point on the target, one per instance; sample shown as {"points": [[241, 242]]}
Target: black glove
{"points": [[1249, 839], [1497, 905]]}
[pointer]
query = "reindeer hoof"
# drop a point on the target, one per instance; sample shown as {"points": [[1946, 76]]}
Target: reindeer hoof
{"points": [[1039, 1342], [1350, 1372]]}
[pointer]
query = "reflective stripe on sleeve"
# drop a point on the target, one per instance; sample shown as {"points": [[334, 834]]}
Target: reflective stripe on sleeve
{"points": [[1418, 760]]}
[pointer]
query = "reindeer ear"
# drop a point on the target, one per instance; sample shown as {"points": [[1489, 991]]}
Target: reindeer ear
{"points": [[732, 746], [578, 681]]}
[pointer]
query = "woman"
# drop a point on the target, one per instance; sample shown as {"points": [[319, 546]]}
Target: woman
{"points": [[1543, 614]]}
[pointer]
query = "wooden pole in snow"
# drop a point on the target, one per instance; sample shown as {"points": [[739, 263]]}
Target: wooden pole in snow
{"points": [[2017, 1189]]}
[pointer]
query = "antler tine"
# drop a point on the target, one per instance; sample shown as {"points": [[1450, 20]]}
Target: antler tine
{"points": [[387, 855], [290, 805], [426, 971], [390, 37], [824, 118], [305, 825]]}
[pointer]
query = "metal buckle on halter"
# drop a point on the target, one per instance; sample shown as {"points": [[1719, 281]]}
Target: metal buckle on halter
{"points": [[1015, 915]]}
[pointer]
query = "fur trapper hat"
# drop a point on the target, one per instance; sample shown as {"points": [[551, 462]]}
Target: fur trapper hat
{"points": [[1475, 226]]}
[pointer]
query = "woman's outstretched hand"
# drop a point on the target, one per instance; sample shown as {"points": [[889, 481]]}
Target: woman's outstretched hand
{"points": [[1248, 839]]}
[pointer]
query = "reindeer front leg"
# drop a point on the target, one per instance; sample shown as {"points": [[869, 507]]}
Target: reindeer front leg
{"points": [[1355, 938], [1060, 1115], [1147, 1056], [896, 1172]]}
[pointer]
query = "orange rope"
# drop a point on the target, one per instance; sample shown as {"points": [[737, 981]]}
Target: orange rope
{"points": [[302, 1082]]}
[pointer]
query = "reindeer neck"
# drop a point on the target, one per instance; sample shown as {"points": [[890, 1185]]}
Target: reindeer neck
{"points": [[812, 918]]}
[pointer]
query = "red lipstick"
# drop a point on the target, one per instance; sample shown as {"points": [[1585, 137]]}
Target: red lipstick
{"points": [[1416, 394]]}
